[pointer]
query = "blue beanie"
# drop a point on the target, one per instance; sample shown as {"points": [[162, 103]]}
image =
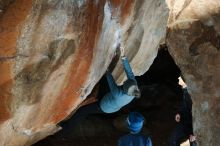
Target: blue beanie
{"points": [[135, 122]]}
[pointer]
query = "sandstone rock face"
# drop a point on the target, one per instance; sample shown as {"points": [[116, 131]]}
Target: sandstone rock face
{"points": [[193, 38], [53, 52], [4, 4]]}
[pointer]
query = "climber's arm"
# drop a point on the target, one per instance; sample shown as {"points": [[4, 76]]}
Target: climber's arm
{"points": [[126, 65], [111, 82]]}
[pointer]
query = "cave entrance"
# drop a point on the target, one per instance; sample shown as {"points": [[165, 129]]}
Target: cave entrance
{"points": [[161, 96]]}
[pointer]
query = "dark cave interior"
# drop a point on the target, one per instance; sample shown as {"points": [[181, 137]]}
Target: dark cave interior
{"points": [[161, 96]]}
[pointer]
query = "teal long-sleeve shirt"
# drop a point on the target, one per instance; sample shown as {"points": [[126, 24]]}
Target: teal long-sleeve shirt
{"points": [[117, 98]]}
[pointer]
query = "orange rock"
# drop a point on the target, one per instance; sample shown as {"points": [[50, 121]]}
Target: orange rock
{"points": [[52, 54]]}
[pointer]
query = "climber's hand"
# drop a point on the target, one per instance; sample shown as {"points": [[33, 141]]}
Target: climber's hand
{"points": [[122, 51], [192, 138]]}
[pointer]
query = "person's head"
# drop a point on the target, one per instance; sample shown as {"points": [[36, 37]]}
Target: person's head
{"points": [[130, 87], [135, 122]]}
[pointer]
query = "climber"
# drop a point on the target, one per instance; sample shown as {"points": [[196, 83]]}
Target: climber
{"points": [[184, 128], [111, 102], [135, 123]]}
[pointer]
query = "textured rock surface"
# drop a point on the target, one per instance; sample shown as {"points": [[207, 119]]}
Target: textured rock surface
{"points": [[53, 52], [4, 4], [194, 41]]}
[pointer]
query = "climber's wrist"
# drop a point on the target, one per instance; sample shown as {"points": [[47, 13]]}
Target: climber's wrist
{"points": [[123, 57], [122, 51]]}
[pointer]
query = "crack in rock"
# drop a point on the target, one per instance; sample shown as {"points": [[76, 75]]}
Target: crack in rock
{"points": [[7, 58]]}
